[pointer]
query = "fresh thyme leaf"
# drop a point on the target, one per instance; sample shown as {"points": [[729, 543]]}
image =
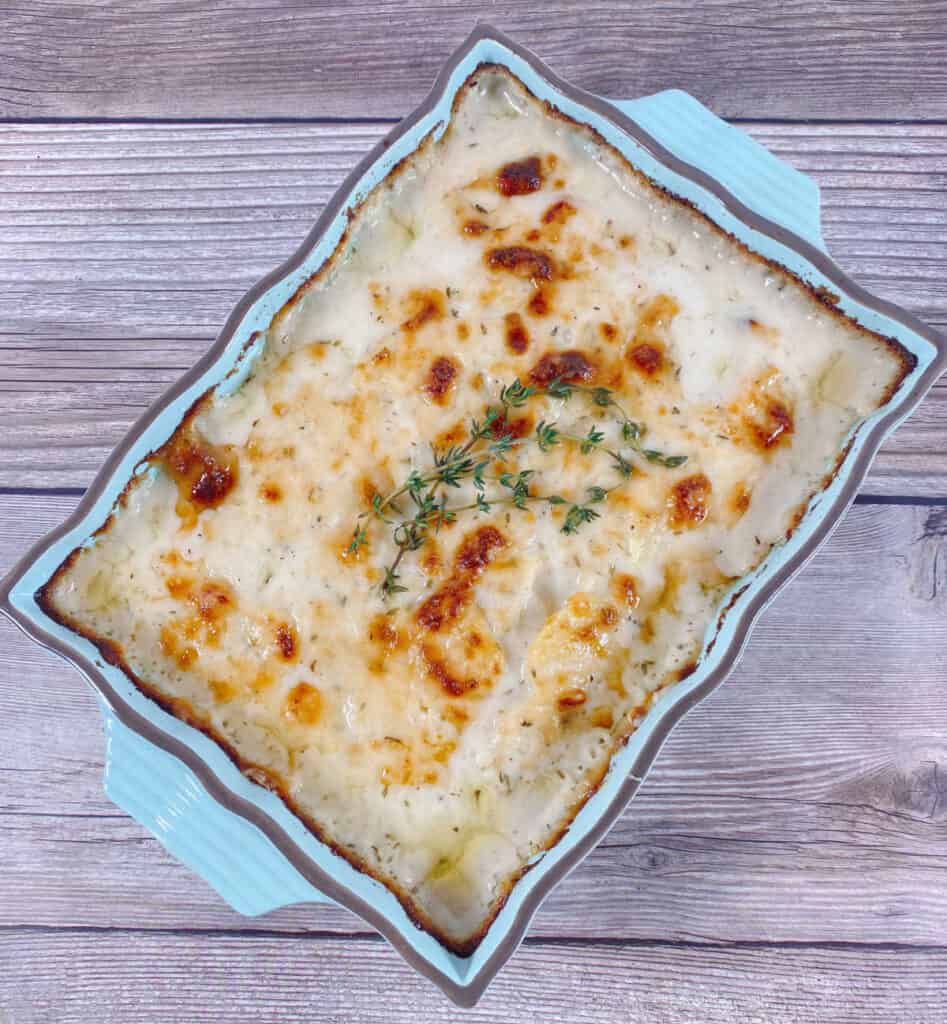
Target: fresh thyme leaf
{"points": [[518, 483], [670, 461], [516, 394], [557, 388], [490, 417], [453, 473], [444, 514], [478, 471], [577, 517], [546, 436], [556, 499], [358, 539], [591, 441], [390, 584], [501, 446], [601, 397], [596, 494], [630, 431], [622, 464]]}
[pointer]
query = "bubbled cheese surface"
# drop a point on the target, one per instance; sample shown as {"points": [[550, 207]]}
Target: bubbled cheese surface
{"points": [[444, 736]]}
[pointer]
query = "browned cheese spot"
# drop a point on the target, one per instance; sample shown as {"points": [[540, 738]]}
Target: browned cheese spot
{"points": [[453, 435], [440, 379], [648, 359], [540, 302], [602, 717], [385, 639], [517, 337], [688, 502], [431, 559], [450, 682], [456, 714], [771, 425], [625, 589], [609, 332], [221, 690], [211, 601], [521, 261], [447, 603], [441, 752], [205, 474], [517, 426], [287, 641], [571, 366], [262, 681], [423, 306], [645, 351], [463, 331], [740, 498], [559, 212], [304, 704], [520, 177], [477, 550], [271, 491], [172, 646], [574, 697], [765, 414], [473, 228], [763, 330]]}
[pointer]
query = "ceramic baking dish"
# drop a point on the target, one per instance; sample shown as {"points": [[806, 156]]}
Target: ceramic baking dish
{"points": [[239, 836]]}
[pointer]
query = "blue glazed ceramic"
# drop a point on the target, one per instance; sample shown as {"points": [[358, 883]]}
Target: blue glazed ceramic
{"points": [[184, 789]]}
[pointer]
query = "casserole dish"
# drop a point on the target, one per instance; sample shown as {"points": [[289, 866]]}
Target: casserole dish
{"points": [[229, 366]]}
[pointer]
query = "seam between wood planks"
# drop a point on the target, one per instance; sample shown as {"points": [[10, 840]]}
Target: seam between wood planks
{"points": [[329, 121], [535, 941]]}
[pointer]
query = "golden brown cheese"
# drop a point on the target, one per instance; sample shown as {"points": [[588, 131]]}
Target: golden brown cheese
{"points": [[443, 737]]}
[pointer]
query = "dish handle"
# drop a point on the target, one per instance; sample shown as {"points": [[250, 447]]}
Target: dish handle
{"points": [[232, 855]]}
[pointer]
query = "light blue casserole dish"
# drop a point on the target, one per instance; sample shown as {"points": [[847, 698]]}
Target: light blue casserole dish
{"points": [[241, 838]]}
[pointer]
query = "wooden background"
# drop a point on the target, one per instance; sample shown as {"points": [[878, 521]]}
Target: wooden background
{"points": [[787, 859]]}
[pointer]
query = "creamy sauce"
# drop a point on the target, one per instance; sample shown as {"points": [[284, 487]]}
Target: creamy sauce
{"points": [[444, 736]]}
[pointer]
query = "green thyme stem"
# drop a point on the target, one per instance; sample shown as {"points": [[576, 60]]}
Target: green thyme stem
{"points": [[485, 446]]}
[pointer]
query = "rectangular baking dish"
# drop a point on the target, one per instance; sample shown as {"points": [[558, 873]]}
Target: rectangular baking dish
{"points": [[240, 836]]}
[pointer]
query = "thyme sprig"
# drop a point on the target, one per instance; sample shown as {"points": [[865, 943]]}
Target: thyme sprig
{"points": [[487, 446]]}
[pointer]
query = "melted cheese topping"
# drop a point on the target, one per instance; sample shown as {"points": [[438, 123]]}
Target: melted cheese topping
{"points": [[443, 738]]}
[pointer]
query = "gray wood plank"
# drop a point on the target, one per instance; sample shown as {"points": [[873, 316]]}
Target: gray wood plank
{"points": [[806, 801], [799, 58], [127, 245], [73, 978]]}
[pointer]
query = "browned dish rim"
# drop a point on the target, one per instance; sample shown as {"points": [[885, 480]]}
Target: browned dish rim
{"points": [[467, 995]]}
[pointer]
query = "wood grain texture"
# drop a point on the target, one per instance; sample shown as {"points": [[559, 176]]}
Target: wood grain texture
{"points": [[805, 802], [73, 978], [785, 860], [799, 58], [127, 245]]}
